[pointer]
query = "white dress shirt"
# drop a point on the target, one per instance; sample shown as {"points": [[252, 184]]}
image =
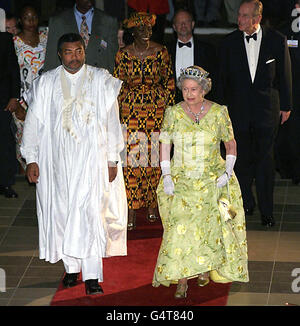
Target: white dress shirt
{"points": [[89, 18], [184, 57], [252, 49]]}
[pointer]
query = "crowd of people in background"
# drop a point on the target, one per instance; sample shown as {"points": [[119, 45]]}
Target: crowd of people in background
{"points": [[215, 13], [252, 71]]}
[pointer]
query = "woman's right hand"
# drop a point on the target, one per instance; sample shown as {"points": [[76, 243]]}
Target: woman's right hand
{"points": [[168, 185]]}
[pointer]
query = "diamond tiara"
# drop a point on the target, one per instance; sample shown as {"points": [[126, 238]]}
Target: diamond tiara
{"points": [[194, 72]]}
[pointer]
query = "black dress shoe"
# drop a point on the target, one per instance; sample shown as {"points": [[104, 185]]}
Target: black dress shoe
{"points": [[93, 287], [70, 279], [8, 192], [267, 221], [296, 181]]}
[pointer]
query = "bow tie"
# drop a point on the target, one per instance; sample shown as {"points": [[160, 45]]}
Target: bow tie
{"points": [[254, 36], [188, 44]]}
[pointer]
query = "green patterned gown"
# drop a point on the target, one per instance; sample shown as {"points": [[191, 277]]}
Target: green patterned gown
{"points": [[196, 238]]}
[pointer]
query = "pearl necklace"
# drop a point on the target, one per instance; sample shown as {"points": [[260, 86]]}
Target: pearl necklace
{"points": [[196, 115], [140, 53]]}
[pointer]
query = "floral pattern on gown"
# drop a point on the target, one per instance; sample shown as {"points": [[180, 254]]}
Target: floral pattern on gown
{"points": [[148, 88], [31, 61], [196, 239]]}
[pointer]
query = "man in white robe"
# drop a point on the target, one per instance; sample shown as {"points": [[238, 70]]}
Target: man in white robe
{"points": [[71, 143]]}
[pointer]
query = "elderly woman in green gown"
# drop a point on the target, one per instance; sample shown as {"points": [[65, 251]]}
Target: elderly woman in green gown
{"points": [[199, 196]]}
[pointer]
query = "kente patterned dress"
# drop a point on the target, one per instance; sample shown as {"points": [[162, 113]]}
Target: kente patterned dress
{"points": [[31, 61], [196, 237], [148, 88]]}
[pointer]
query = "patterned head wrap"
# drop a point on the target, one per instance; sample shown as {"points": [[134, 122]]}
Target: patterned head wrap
{"points": [[139, 19]]}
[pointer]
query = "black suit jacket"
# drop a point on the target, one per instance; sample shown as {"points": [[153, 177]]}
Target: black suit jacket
{"points": [[204, 56], [103, 41], [258, 102], [295, 60], [9, 88], [9, 70]]}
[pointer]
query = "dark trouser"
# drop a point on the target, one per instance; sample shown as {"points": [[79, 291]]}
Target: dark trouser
{"points": [[287, 147], [8, 161], [294, 140], [255, 161]]}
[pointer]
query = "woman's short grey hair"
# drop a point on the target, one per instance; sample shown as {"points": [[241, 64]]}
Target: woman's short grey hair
{"points": [[195, 73]]}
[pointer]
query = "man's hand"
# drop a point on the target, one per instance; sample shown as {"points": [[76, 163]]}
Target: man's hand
{"points": [[12, 105], [32, 172], [20, 113], [112, 171], [284, 116]]}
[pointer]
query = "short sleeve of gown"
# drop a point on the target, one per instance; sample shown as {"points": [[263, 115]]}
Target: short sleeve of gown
{"points": [[225, 127], [167, 126]]}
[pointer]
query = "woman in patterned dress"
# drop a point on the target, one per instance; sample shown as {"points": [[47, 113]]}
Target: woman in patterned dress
{"points": [[148, 88], [30, 46], [201, 239]]}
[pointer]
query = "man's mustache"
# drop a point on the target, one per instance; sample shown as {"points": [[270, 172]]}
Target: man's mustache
{"points": [[74, 61]]}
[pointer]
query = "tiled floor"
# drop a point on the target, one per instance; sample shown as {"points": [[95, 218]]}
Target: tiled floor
{"points": [[28, 280], [273, 254]]}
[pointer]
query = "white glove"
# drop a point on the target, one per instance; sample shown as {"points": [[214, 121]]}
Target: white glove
{"points": [[168, 185], [229, 165], [167, 179], [222, 180]]}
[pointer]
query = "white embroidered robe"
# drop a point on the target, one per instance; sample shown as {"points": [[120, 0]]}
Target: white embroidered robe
{"points": [[72, 141]]}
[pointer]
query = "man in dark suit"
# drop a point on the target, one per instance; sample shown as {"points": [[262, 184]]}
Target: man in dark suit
{"points": [[288, 140], [99, 30], [9, 94], [255, 83], [187, 49]]}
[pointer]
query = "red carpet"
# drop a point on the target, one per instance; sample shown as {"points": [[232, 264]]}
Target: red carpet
{"points": [[127, 280]]}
